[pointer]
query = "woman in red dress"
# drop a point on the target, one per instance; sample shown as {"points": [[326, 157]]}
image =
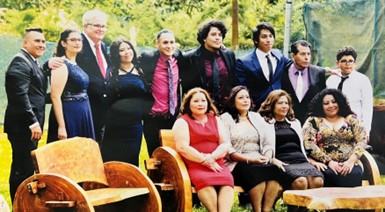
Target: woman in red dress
{"points": [[200, 138]]}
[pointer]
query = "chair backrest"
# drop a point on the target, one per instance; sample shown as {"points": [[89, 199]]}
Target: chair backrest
{"points": [[167, 139], [76, 158]]}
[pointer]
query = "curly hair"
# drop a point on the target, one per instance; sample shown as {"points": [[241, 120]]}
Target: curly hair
{"points": [[316, 104], [267, 108], [185, 106], [230, 102], [205, 29], [60, 50], [346, 51]]}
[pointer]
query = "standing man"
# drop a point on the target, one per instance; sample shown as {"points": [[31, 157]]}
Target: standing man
{"points": [[95, 62], [354, 85], [261, 70], [301, 79], [25, 86], [161, 69], [210, 66]]}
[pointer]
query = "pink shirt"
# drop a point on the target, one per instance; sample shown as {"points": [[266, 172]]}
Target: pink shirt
{"points": [[160, 85]]}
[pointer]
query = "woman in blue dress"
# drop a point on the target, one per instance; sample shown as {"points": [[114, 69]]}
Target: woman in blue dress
{"points": [[71, 112], [131, 99]]}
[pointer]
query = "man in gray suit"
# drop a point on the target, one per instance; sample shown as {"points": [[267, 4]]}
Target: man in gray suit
{"points": [[301, 79], [25, 86]]}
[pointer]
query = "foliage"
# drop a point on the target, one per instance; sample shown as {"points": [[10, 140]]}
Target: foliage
{"points": [[140, 20]]}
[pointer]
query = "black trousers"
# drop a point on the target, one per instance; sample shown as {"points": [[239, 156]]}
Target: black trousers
{"points": [[22, 166], [151, 126]]}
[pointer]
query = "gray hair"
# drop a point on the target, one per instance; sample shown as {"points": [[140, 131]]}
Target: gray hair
{"points": [[91, 14]]}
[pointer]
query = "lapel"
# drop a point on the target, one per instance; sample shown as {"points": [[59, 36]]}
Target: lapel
{"points": [[36, 70], [257, 67]]}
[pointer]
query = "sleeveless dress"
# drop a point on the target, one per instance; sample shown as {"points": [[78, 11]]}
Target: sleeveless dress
{"points": [[123, 136], [205, 139], [76, 107]]}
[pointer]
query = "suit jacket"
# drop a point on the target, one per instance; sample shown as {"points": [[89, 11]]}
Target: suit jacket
{"points": [[25, 86], [248, 72], [148, 61], [317, 83], [194, 75], [98, 88]]}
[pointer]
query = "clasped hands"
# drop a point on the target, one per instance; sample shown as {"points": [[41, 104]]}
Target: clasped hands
{"points": [[210, 162], [341, 168]]}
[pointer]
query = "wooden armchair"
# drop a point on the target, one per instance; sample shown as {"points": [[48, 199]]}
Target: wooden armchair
{"points": [[70, 174]]}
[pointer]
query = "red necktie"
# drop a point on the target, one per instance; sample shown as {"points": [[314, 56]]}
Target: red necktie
{"points": [[100, 59]]}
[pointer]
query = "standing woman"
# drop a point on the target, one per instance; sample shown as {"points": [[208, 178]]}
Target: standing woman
{"points": [[200, 137], [251, 150], [335, 138], [71, 113], [131, 99], [290, 156]]}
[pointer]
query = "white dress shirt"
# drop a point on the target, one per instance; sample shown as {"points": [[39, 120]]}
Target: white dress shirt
{"points": [[263, 62], [359, 93]]}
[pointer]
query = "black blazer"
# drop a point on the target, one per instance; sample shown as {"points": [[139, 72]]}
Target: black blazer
{"points": [[149, 59], [317, 82], [194, 75], [98, 88], [25, 86]]}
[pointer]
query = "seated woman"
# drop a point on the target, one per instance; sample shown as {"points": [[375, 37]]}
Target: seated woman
{"points": [[251, 150], [200, 137], [290, 156], [335, 138]]}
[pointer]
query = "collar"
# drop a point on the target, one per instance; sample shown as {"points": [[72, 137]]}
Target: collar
{"points": [[92, 44], [34, 59]]}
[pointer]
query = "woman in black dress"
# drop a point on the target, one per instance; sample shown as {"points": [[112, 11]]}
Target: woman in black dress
{"points": [[124, 128]]}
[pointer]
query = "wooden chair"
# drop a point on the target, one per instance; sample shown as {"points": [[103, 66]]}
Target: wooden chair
{"points": [[168, 171], [70, 174]]}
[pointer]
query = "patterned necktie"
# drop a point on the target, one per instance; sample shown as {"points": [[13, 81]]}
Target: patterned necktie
{"points": [[342, 83], [270, 65], [171, 99], [100, 59], [299, 88], [215, 79]]}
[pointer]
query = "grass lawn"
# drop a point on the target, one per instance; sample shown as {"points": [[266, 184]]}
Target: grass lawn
{"points": [[5, 164]]}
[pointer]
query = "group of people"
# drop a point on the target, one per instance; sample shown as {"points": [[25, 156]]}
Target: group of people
{"points": [[257, 141]]}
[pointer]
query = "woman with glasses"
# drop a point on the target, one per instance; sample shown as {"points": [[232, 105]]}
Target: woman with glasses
{"points": [[71, 112], [131, 98]]}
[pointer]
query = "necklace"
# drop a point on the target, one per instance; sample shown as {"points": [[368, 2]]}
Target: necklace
{"points": [[124, 71]]}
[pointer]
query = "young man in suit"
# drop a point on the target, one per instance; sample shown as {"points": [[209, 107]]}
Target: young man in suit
{"points": [[261, 70], [301, 79], [161, 69], [25, 86], [93, 59], [210, 66]]}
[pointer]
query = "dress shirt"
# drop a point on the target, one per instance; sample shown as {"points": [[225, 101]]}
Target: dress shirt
{"points": [[293, 76], [263, 62], [359, 92], [92, 45]]}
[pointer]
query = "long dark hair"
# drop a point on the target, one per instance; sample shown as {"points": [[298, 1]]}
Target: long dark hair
{"points": [[60, 50], [316, 104], [230, 103], [267, 107], [114, 53]]}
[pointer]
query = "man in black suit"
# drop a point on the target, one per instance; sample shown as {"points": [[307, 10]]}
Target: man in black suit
{"points": [[210, 66], [25, 86], [95, 62], [301, 79], [161, 69]]}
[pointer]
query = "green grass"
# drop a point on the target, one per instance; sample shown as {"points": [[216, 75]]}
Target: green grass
{"points": [[6, 158]]}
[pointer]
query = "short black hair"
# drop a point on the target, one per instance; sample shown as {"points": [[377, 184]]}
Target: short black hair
{"points": [[259, 28], [205, 29], [294, 45], [346, 51], [163, 31], [36, 29]]}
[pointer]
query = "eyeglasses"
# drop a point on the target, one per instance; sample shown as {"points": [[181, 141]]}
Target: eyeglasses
{"points": [[98, 26], [75, 39], [347, 62]]}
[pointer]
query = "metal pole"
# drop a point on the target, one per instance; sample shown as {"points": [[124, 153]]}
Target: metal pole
{"points": [[286, 37]]}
